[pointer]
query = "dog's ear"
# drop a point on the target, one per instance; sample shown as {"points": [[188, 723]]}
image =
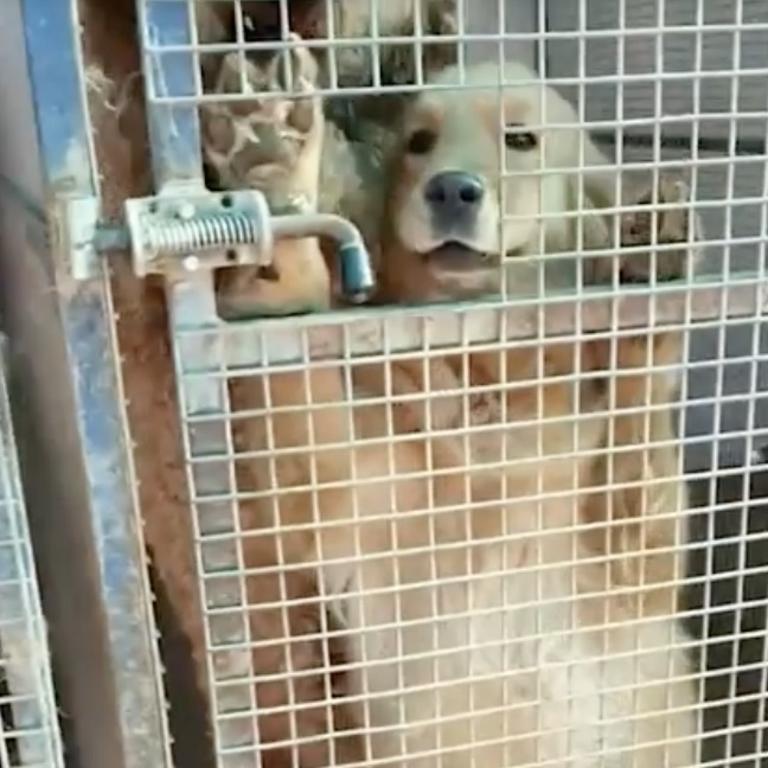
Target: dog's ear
{"points": [[590, 188], [584, 184], [215, 22], [599, 179], [581, 188]]}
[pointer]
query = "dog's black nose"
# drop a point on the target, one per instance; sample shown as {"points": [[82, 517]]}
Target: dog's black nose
{"points": [[454, 198], [454, 188]]}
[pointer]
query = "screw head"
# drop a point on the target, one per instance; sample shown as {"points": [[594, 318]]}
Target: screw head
{"points": [[186, 211]]}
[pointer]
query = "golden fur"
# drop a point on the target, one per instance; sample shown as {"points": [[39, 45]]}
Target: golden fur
{"points": [[564, 645]]}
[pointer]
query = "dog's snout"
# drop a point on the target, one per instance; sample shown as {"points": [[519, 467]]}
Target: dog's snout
{"points": [[454, 191], [454, 200]]}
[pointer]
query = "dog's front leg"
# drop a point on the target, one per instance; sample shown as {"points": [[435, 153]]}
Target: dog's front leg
{"points": [[641, 455]]}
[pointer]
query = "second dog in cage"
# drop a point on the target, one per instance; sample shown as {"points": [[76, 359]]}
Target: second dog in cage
{"points": [[506, 613]]}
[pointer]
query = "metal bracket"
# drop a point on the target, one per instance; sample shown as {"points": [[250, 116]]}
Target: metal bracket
{"points": [[73, 224], [186, 229], [196, 229]]}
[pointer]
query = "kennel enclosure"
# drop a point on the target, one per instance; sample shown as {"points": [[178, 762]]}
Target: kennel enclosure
{"points": [[659, 84], [667, 85]]}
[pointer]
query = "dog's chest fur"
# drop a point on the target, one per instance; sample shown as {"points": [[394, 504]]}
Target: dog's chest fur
{"points": [[501, 641], [489, 622]]}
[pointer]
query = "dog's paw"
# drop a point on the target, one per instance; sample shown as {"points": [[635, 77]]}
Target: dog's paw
{"points": [[399, 63], [673, 226], [270, 137], [296, 282], [441, 22]]}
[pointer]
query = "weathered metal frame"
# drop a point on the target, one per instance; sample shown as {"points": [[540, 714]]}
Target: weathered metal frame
{"points": [[70, 417]]}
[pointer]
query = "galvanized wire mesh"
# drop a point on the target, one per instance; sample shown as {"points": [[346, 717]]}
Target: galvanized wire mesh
{"points": [[352, 619], [29, 730]]}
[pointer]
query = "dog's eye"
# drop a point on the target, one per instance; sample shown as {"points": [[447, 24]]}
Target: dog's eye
{"points": [[421, 142], [516, 137]]}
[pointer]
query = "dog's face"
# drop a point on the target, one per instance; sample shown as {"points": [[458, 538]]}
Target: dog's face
{"points": [[482, 173]]}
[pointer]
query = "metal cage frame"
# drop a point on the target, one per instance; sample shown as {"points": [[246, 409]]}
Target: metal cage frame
{"points": [[661, 85], [68, 409], [29, 732], [208, 350]]}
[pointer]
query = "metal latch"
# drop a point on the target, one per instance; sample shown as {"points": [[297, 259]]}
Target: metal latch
{"points": [[198, 229]]}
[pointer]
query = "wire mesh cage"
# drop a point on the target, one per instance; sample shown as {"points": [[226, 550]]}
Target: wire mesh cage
{"points": [[29, 730], [514, 513]]}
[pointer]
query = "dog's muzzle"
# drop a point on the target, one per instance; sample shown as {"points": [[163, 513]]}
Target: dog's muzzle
{"points": [[453, 256], [454, 199]]}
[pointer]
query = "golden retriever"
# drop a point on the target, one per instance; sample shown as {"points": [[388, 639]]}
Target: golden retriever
{"points": [[505, 577]]}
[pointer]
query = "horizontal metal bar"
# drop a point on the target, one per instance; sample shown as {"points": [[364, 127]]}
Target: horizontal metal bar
{"points": [[462, 37], [270, 341], [198, 98], [741, 146]]}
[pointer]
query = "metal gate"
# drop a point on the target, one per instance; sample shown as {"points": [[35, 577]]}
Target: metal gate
{"points": [[29, 730], [68, 410], [240, 378]]}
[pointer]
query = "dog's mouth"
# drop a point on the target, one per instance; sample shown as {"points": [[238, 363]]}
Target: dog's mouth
{"points": [[454, 256]]}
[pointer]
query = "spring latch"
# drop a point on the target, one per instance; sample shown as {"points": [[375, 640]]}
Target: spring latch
{"points": [[173, 232], [204, 233], [170, 233]]}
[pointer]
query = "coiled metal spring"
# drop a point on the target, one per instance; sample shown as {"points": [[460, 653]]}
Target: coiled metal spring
{"points": [[207, 232]]}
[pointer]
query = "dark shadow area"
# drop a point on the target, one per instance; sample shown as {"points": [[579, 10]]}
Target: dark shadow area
{"points": [[192, 744], [728, 569]]}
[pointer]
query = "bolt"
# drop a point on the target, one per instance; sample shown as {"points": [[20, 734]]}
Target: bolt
{"points": [[111, 237], [186, 211]]}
